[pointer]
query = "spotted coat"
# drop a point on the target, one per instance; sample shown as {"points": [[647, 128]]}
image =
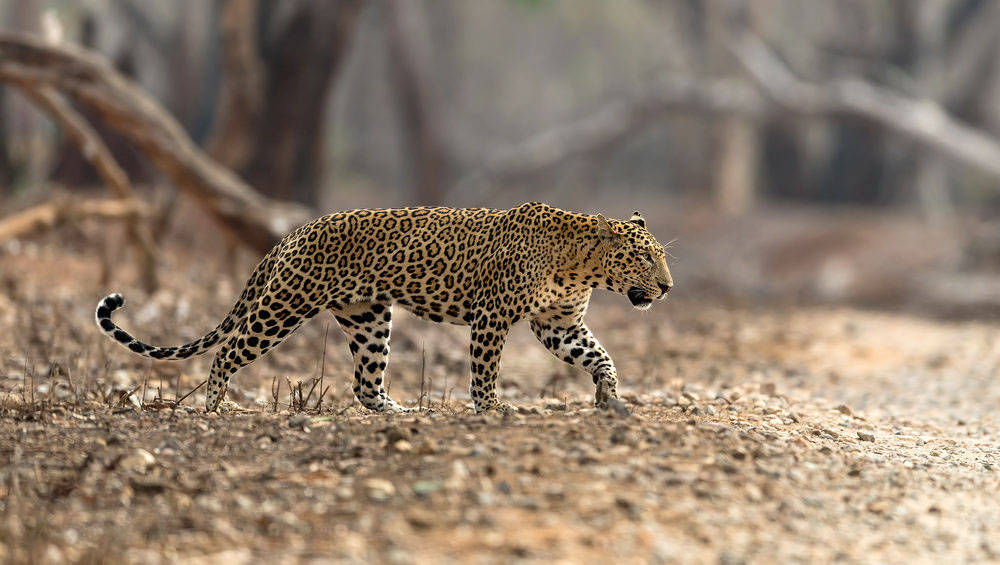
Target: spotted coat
{"points": [[483, 268]]}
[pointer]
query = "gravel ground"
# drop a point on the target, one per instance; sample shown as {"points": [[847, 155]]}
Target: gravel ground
{"points": [[744, 477]]}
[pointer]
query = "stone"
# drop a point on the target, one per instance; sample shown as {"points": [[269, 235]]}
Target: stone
{"points": [[617, 407], [299, 421], [396, 433], [138, 461], [379, 489]]}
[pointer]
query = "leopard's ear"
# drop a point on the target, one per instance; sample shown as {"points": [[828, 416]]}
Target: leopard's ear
{"points": [[606, 233], [637, 219]]}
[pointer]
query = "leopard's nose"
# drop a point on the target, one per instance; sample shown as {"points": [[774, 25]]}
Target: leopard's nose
{"points": [[664, 288]]}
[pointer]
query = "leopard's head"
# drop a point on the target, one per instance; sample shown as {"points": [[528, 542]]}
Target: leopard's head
{"points": [[632, 261]]}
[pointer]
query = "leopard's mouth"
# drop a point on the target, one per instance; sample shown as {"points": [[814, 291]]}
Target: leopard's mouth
{"points": [[639, 298]]}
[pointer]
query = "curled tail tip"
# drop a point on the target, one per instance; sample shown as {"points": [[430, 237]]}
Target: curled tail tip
{"points": [[105, 307], [112, 302]]}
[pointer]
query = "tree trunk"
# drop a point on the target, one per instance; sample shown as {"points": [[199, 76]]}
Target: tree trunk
{"points": [[299, 65], [8, 170], [736, 137], [238, 107], [412, 84], [736, 165]]}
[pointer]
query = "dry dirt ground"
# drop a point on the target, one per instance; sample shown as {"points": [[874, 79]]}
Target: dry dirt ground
{"points": [[757, 434]]}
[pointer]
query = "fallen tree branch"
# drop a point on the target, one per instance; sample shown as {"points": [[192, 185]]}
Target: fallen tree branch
{"points": [[59, 211], [85, 77], [97, 153]]}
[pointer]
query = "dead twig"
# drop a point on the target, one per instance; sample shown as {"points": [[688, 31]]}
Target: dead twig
{"points": [[291, 393], [122, 399], [423, 362], [275, 391], [322, 369], [145, 381], [305, 402], [444, 388], [190, 392], [319, 401]]}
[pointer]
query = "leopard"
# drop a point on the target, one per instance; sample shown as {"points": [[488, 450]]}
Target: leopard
{"points": [[484, 268]]}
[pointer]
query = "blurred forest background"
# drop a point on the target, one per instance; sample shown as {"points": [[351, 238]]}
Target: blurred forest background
{"points": [[840, 150], [821, 385]]}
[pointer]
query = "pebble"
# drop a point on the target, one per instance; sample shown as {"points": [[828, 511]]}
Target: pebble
{"points": [[427, 446], [624, 437], [139, 461], [458, 477], [618, 408], [421, 518], [396, 433], [865, 436], [298, 421], [402, 446], [133, 401], [425, 488], [775, 422], [344, 492], [379, 489]]}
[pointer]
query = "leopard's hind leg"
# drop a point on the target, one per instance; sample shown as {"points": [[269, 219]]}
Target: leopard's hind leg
{"points": [[266, 325], [366, 326]]}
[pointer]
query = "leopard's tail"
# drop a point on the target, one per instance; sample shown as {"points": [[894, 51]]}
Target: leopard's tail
{"points": [[253, 290]]}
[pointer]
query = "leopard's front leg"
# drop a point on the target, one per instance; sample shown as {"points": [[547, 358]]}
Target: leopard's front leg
{"points": [[569, 339], [489, 333]]}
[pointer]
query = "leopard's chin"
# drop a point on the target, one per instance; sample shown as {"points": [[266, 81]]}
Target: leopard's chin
{"points": [[639, 298]]}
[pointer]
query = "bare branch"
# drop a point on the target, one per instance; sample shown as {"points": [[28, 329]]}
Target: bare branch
{"points": [[921, 121], [616, 121]]}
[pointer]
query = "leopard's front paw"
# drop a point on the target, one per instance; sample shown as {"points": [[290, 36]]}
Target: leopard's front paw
{"points": [[395, 407], [227, 406], [605, 391], [501, 407], [385, 404]]}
